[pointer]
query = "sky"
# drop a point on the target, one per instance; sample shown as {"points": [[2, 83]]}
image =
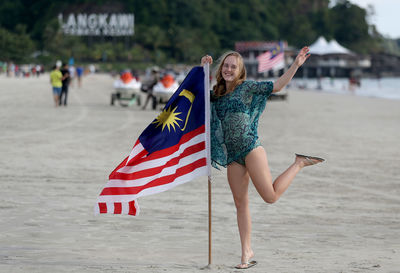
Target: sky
{"points": [[386, 18]]}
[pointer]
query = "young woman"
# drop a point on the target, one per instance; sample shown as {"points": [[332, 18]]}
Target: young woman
{"points": [[236, 106]]}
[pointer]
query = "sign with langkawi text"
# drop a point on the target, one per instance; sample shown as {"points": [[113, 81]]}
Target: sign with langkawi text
{"points": [[104, 24]]}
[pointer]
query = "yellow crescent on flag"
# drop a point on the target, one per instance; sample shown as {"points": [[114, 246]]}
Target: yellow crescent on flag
{"points": [[189, 95]]}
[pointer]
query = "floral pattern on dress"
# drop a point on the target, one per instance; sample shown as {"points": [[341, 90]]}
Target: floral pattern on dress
{"points": [[234, 121]]}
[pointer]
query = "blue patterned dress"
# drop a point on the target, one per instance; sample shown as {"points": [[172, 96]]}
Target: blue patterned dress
{"points": [[234, 122]]}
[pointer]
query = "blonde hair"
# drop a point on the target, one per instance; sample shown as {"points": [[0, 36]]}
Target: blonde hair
{"points": [[220, 87]]}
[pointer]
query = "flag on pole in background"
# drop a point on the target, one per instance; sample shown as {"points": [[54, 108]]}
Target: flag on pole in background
{"points": [[272, 59], [170, 151]]}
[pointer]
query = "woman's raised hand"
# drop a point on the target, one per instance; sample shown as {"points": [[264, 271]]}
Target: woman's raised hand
{"points": [[206, 59], [302, 56]]}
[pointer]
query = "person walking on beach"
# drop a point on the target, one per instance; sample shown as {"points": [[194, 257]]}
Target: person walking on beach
{"points": [[79, 74], [56, 83], [71, 70], [155, 77], [236, 105], [65, 84]]}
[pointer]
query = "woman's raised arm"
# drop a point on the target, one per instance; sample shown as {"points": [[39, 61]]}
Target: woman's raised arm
{"points": [[288, 75]]}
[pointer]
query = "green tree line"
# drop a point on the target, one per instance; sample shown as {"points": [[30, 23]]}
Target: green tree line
{"points": [[180, 31]]}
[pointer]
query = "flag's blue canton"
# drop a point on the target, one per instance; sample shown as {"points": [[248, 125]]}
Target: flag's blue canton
{"points": [[155, 137], [277, 49]]}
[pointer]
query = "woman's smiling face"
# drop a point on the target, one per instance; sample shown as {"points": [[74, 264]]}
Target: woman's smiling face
{"points": [[230, 69]]}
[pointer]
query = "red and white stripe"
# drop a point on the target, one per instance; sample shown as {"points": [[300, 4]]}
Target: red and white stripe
{"points": [[140, 175], [266, 63]]}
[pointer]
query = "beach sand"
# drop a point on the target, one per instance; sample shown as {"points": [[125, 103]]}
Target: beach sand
{"points": [[339, 216]]}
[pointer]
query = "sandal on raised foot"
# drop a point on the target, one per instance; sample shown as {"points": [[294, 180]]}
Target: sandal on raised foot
{"points": [[246, 265], [311, 158]]}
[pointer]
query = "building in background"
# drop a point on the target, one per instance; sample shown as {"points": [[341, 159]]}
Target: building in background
{"points": [[251, 50], [328, 59]]}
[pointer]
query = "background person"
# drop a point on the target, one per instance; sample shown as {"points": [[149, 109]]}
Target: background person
{"points": [[155, 77], [65, 84], [71, 70], [79, 74], [56, 83]]}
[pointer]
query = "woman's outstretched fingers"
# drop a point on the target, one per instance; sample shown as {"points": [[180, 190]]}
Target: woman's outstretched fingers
{"points": [[302, 56], [305, 50]]}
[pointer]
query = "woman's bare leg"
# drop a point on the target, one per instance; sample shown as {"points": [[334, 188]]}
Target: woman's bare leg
{"points": [[258, 169], [238, 179]]}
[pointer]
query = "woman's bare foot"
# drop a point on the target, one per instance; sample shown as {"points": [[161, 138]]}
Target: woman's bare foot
{"points": [[306, 160], [246, 265], [246, 261]]}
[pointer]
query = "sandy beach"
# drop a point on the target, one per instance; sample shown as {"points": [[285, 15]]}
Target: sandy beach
{"points": [[339, 216]]}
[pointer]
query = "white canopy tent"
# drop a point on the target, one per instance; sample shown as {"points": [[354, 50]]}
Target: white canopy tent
{"points": [[322, 47], [335, 48], [319, 46]]}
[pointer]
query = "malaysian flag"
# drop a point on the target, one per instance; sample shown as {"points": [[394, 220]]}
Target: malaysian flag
{"points": [[272, 59], [170, 151]]}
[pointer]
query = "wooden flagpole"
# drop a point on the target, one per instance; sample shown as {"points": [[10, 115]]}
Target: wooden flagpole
{"points": [[209, 221], [208, 148]]}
